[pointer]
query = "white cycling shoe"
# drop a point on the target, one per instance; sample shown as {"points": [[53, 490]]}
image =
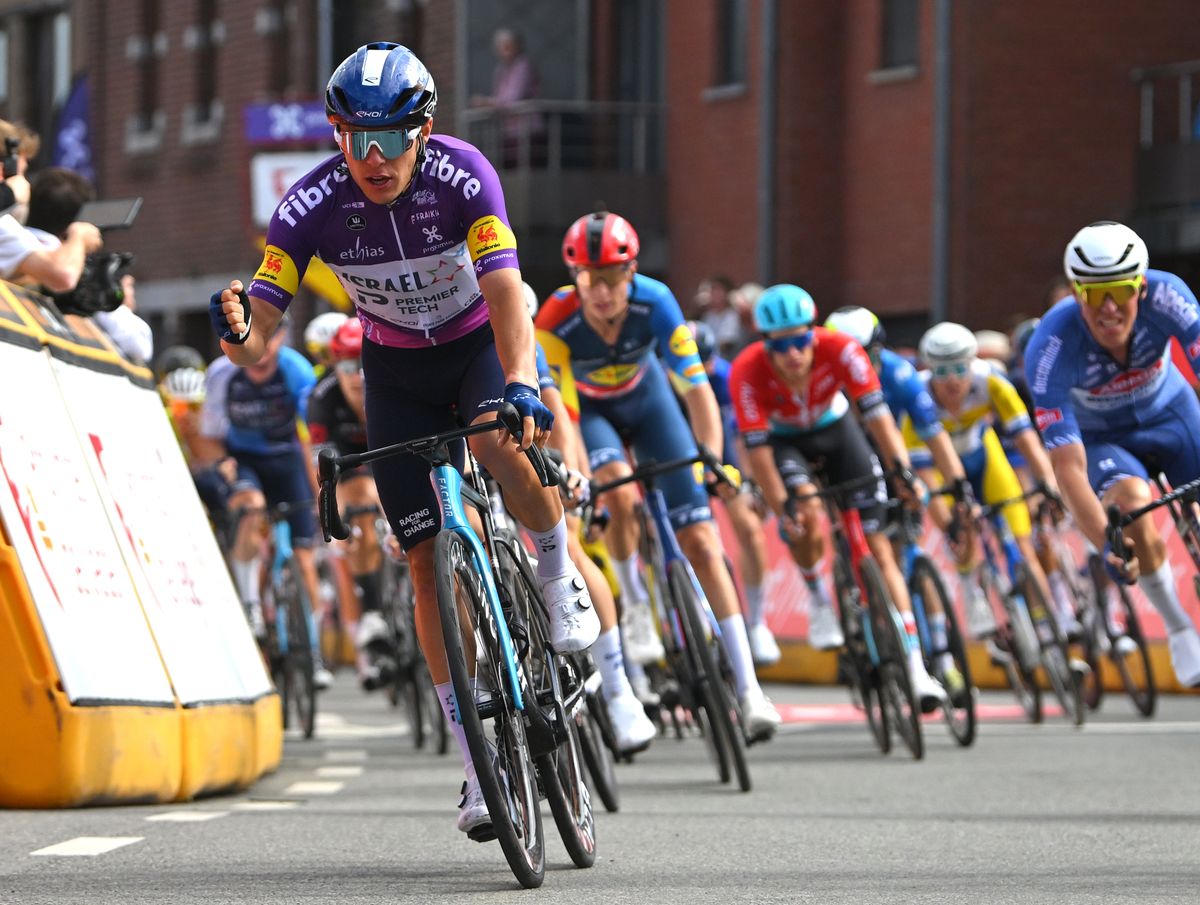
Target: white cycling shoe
{"points": [[759, 716], [928, 691], [824, 633], [1185, 656], [372, 627], [632, 727], [322, 677], [258, 625], [473, 816], [641, 642], [574, 625], [763, 649]]}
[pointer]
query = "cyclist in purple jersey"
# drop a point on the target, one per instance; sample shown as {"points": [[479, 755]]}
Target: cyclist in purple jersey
{"points": [[1109, 403], [415, 228]]}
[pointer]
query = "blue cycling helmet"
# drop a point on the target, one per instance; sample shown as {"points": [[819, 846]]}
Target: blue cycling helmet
{"points": [[783, 307], [381, 85]]}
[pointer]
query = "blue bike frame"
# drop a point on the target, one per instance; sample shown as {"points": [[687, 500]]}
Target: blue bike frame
{"points": [[447, 483], [656, 505], [282, 531]]}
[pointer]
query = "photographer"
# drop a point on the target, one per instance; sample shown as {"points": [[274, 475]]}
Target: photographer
{"points": [[56, 196], [56, 266]]}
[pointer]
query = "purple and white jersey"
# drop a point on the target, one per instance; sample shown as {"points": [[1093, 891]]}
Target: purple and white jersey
{"points": [[412, 267]]}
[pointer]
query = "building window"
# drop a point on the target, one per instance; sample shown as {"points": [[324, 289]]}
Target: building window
{"points": [[898, 48], [731, 42], [202, 118], [144, 129], [274, 21]]}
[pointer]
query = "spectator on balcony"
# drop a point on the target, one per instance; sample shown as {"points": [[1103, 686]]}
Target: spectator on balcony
{"points": [[515, 79]]}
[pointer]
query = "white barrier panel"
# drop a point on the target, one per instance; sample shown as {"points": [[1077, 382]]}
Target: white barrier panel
{"points": [[61, 533], [169, 548]]}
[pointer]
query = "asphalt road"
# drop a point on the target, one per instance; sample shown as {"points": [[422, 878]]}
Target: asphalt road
{"points": [[1030, 814]]}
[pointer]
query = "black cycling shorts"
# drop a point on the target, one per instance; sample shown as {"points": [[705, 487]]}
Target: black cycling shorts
{"points": [[413, 393], [834, 454]]}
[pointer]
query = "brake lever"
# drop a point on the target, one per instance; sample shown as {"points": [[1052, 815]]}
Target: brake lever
{"points": [[511, 420], [328, 470]]}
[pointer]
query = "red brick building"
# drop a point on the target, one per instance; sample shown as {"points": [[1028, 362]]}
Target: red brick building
{"points": [[899, 154]]}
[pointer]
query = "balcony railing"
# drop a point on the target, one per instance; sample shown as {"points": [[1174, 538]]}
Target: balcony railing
{"points": [[557, 159]]}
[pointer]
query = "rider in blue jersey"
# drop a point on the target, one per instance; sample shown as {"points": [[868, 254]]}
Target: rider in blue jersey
{"points": [[745, 509], [254, 415], [1109, 404], [608, 330], [415, 228]]}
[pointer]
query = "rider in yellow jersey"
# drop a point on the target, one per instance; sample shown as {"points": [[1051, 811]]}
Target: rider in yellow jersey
{"points": [[971, 397]]}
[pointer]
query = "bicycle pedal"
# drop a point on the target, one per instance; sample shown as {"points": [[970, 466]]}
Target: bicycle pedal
{"points": [[485, 832]]}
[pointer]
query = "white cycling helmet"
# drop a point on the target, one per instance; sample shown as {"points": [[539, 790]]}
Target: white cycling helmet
{"points": [[531, 299], [947, 343], [319, 332], [1105, 251], [859, 324], [184, 385]]}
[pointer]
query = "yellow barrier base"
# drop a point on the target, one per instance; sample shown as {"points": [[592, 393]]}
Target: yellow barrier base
{"points": [[801, 664], [227, 747]]}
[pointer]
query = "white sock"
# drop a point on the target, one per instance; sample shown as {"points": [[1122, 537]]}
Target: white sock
{"points": [[1159, 588], [445, 694], [737, 647], [611, 663], [634, 671], [754, 604], [245, 577], [1061, 594], [629, 578], [551, 549]]}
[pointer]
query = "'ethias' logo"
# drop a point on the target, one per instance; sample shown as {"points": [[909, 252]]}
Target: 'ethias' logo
{"points": [[306, 197]]}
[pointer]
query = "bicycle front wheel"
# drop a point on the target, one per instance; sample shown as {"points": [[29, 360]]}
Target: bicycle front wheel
{"points": [[1131, 656], [298, 664], [601, 765], [497, 744], [1056, 660], [926, 585], [892, 647], [714, 694], [855, 661]]}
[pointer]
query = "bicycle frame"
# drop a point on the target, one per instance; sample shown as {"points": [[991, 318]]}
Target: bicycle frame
{"points": [[281, 532], [448, 484]]}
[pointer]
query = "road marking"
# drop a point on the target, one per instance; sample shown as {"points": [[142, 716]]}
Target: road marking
{"points": [[346, 754], [186, 816], [339, 771], [848, 713], [266, 805], [313, 788], [87, 846]]}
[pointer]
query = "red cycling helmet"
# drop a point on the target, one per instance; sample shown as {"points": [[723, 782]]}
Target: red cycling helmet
{"points": [[599, 240], [347, 342]]}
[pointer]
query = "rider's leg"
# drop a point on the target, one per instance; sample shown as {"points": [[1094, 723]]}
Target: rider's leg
{"points": [[245, 559], [364, 560], [752, 547]]}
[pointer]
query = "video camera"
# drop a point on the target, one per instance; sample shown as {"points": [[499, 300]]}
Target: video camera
{"points": [[99, 286]]}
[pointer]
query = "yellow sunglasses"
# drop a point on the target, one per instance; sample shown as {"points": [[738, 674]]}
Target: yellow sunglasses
{"points": [[1122, 292]]}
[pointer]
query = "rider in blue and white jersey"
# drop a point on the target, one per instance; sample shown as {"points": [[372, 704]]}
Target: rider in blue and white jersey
{"points": [[415, 228], [1109, 404]]}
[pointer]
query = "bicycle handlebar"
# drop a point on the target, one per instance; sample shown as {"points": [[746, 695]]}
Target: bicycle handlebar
{"points": [[432, 448], [650, 469]]}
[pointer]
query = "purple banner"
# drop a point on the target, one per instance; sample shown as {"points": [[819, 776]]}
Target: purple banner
{"points": [[285, 122], [72, 140]]}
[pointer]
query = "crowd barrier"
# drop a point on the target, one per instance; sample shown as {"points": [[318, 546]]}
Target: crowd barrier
{"points": [[787, 612], [128, 671]]}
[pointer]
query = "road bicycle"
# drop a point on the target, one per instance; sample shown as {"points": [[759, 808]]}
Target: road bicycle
{"points": [[1029, 636], [516, 698], [875, 655], [699, 680]]}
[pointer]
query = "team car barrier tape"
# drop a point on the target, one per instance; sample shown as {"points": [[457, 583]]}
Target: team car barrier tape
{"points": [[129, 673]]}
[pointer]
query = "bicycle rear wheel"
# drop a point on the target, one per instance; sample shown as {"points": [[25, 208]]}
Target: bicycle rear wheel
{"points": [[597, 755], [497, 743], [716, 697], [892, 647], [298, 664], [1056, 659], [926, 585], [859, 670], [1019, 674], [556, 686]]}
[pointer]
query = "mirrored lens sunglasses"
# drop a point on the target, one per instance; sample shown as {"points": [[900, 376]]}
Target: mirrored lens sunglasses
{"points": [[390, 142]]}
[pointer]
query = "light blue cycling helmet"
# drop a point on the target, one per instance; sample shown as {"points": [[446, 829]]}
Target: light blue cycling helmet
{"points": [[783, 307], [381, 85]]}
